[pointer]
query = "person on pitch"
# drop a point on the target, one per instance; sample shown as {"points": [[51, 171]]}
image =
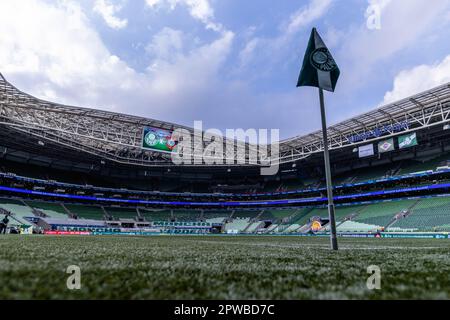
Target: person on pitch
{"points": [[4, 224]]}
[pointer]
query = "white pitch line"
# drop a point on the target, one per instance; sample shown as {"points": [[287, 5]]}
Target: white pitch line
{"points": [[318, 245]]}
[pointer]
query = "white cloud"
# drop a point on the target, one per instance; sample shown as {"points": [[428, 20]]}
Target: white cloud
{"points": [[51, 51], [152, 3], [401, 27], [247, 53], [418, 79], [273, 49], [199, 9], [304, 16], [166, 44], [177, 73], [108, 12]]}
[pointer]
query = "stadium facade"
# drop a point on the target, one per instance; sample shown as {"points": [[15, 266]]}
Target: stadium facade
{"points": [[65, 167]]}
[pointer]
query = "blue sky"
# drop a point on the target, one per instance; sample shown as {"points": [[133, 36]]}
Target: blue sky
{"points": [[231, 63]]}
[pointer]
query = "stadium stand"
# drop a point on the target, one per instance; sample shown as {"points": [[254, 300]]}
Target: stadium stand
{"points": [[290, 228], [50, 209], [374, 173], [383, 213], [302, 220], [347, 212], [250, 214], [122, 213], [237, 225], [304, 215], [272, 228], [352, 226], [157, 215], [420, 165], [86, 211], [62, 224], [19, 211], [431, 214], [253, 227], [277, 214], [215, 220], [288, 185], [211, 214], [187, 215]]}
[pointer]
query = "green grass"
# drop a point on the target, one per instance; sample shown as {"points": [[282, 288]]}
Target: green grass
{"points": [[160, 267]]}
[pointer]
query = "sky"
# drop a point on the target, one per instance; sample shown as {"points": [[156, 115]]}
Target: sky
{"points": [[229, 63]]}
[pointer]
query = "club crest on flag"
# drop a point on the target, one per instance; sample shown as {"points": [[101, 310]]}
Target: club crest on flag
{"points": [[322, 60]]}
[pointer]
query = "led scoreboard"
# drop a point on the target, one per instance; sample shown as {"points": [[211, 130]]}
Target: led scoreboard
{"points": [[158, 139]]}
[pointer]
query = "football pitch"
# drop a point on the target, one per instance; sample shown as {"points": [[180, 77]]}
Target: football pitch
{"points": [[221, 267]]}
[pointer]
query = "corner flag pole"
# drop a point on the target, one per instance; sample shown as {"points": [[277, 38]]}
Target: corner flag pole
{"points": [[326, 153], [320, 70]]}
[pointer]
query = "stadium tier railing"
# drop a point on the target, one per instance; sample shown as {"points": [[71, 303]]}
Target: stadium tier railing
{"points": [[362, 177]]}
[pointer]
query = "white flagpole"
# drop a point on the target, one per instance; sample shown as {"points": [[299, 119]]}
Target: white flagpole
{"points": [[333, 237]]}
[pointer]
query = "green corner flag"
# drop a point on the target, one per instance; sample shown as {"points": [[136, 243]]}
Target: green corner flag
{"points": [[319, 68]]}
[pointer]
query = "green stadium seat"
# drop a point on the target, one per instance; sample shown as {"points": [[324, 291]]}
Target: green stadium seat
{"points": [[239, 224], [186, 215], [122, 213], [431, 214], [156, 215], [86, 211], [382, 213], [51, 209], [18, 210]]}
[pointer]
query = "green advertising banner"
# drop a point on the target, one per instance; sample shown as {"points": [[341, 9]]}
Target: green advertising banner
{"points": [[158, 139], [407, 141]]}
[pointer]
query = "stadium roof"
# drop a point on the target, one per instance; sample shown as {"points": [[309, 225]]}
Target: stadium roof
{"points": [[425, 109], [118, 137]]}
